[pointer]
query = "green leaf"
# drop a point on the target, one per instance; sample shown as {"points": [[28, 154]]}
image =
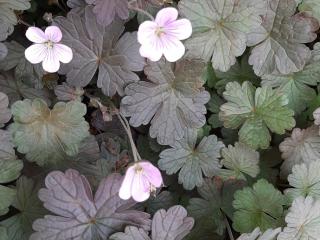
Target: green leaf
{"points": [[240, 72], [8, 8], [192, 160], [3, 234], [19, 226], [216, 201], [6, 197], [240, 161], [17, 90], [256, 234], [220, 29], [26, 72], [5, 113], [296, 86], [305, 180], [214, 107], [9, 170], [46, 135], [311, 6], [256, 111], [259, 206], [302, 147]]}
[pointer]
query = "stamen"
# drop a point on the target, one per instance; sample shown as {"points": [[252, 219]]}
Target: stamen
{"points": [[49, 44]]}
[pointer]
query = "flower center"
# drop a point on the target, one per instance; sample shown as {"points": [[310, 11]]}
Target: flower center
{"points": [[138, 169], [159, 31], [49, 44]]}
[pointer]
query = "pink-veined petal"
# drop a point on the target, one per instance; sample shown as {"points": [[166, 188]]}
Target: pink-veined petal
{"points": [[152, 52], [181, 29], [166, 16], [36, 53], [36, 35], [152, 174], [173, 49], [63, 52], [140, 188], [51, 62], [146, 32], [53, 33], [125, 189]]}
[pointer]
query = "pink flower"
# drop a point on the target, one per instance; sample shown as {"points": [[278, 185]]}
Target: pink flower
{"points": [[140, 180], [47, 48], [162, 36]]}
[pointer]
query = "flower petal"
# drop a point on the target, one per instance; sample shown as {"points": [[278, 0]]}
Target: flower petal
{"points": [[173, 49], [152, 52], [36, 35], [125, 189], [53, 33], [36, 53], [63, 52], [146, 32], [166, 16], [181, 29], [51, 62], [140, 188], [152, 174]]}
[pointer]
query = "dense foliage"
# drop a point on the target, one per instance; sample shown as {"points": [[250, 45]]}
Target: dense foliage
{"points": [[159, 119]]}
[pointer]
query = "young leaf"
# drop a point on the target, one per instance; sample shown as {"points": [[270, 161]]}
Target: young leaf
{"points": [[99, 48], [280, 39], [9, 170], [302, 147], [312, 6], [270, 234], [259, 206], [256, 110], [106, 11], [172, 224], [297, 86], [305, 181], [65, 92], [46, 135], [19, 226], [220, 29], [173, 101], [191, 159], [79, 215], [240, 161], [303, 220], [217, 197], [5, 113]]}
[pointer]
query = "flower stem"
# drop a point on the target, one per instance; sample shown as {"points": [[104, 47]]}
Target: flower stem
{"points": [[141, 11], [23, 22], [228, 228]]}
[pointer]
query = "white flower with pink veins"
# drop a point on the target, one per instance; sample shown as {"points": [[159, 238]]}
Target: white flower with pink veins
{"points": [[47, 49]]}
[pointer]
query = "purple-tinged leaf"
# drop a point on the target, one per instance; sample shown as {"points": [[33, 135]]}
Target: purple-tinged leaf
{"points": [[166, 225], [79, 214], [172, 101], [98, 48], [106, 11]]}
